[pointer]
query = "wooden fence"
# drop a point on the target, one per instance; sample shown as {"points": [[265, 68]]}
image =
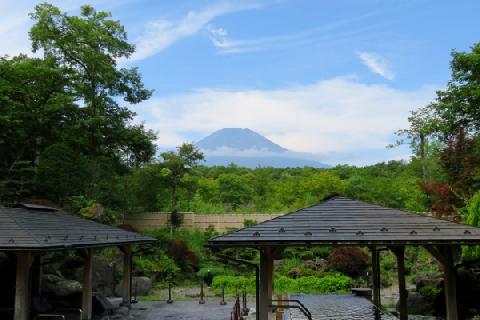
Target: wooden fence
{"points": [[221, 222]]}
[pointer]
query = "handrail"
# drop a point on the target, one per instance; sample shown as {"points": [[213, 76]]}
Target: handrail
{"points": [[300, 306], [59, 316], [49, 315]]}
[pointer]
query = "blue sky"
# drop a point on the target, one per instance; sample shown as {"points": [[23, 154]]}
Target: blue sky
{"points": [[331, 78]]}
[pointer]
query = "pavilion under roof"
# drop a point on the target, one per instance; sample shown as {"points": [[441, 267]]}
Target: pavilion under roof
{"points": [[341, 220], [38, 228]]}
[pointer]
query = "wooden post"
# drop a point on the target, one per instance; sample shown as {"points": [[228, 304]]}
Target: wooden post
{"points": [[37, 275], [169, 301], [222, 303], [87, 284], [376, 276], [446, 255], [22, 287], [400, 253], [127, 275], [266, 283], [202, 294], [450, 279]]}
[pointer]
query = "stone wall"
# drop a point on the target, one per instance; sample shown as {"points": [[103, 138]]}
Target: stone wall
{"points": [[221, 222]]}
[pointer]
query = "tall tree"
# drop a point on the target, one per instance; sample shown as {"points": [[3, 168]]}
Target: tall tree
{"points": [[89, 46], [176, 165], [35, 111], [458, 107], [454, 117]]}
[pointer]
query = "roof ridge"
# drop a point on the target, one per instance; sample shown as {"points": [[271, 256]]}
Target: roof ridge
{"points": [[326, 199]]}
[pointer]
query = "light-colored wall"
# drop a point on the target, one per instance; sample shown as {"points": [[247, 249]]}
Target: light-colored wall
{"points": [[158, 220]]}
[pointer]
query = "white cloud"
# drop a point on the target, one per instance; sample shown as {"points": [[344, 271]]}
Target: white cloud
{"points": [[333, 117], [162, 33], [159, 34], [377, 64]]}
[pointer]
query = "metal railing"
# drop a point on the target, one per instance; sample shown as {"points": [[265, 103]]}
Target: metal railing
{"points": [[59, 314], [300, 306]]}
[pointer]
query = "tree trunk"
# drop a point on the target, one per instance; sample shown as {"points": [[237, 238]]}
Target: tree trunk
{"points": [[422, 156]]}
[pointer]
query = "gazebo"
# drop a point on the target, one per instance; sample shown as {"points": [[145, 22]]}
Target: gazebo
{"points": [[343, 221], [30, 230]]}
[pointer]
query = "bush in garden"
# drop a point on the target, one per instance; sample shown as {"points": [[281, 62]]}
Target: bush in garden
{"points": [[182, 255], [214, 271], [326, 284], [331, 283], [234, 284], [156, 265], [388, 261], [349, 260], [321, 251], [285, 285], [249, 222]]}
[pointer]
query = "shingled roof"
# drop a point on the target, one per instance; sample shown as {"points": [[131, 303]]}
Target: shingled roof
{"points": [[342, 220], [31, 227]]}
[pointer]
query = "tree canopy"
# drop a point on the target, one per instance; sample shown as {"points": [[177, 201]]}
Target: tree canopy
{"points": [[64, 131]]}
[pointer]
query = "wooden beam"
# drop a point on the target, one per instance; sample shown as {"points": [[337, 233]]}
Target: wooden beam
{"points": [[127, 275], [87, 284], [400, 254], [437, 253], [376, 276], [22, 287], [266, 283]]}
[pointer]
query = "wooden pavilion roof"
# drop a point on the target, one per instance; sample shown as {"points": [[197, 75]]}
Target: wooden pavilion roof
{"points": [[32, 227], [342, 220]]}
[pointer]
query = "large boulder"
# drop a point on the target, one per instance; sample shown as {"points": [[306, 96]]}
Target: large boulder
{"points": [[141, 286], [417, 304], [103, 277], [428, 280], [60, 287]]}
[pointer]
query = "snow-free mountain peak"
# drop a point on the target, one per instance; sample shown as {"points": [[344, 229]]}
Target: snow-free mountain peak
{"points": [[247, 148], [238, 139]]}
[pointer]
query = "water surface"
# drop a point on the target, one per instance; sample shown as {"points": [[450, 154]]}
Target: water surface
{"points": [[338, 307]]}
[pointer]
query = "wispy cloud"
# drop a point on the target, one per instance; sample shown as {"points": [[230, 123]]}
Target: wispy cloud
{"points": [[335, 118], [162, 33], [377, 64], [338, 30]]}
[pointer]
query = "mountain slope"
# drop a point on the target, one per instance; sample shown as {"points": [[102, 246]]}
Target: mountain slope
{"points": [[247, 148], [239, 139], [256, 162]]}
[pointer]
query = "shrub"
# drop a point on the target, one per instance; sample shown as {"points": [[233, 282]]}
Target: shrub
{"points": [[234, 284], [430, 291], [157, 265], [321, 252], [388, 261], [181, 254], [326, 284], [285, 285], [214, 271], [307, 255], [331, 283], [249, 222], [176, 219], [349, 260]]}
